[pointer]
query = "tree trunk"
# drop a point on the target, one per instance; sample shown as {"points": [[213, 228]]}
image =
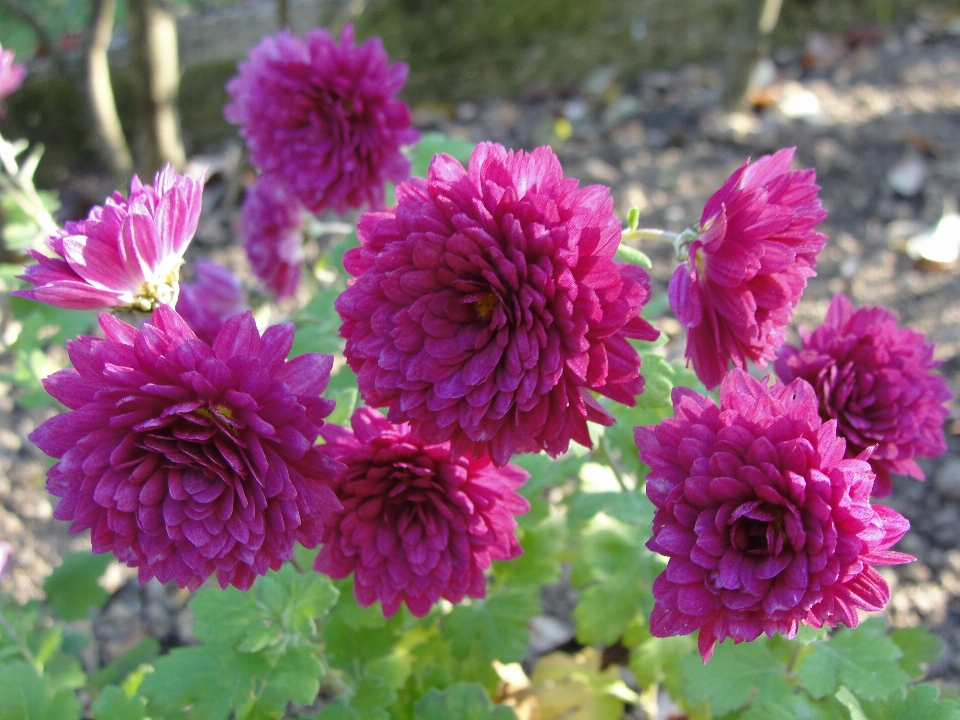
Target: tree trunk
{"points": [[154, 32], [749, 43], [99, 93]]}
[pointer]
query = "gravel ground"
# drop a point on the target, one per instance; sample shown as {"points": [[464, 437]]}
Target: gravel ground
{"points": [[867, 110]]}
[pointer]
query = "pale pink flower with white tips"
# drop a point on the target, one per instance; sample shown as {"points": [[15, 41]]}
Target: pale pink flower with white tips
{"points": [[125, 255]]}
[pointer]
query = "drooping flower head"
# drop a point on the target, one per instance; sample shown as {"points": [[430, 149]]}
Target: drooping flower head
{"points": [[765, 523], [323, 118], [487, 306], [125, 255], [273, 235], [748, 266], [11, 75], [186, 459], [206, 303], [416, 525], [875, 380]]}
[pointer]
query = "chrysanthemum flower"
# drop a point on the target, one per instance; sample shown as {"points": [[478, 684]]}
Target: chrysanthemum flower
{"points": [[206, 303], [765, 523], [323, 118], [748, 266], [273, 235], [875, 380], [186, 459], [11, 75], [487, 306], [416, 525], [126, 255]]}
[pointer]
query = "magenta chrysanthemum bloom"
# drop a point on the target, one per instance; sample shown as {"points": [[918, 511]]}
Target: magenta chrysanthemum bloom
{"points": [[748, 265], [126, 255], [416, 525], [207, 303], [765, 523], [186, 459], [323, 118], [487, 306], [273, 236], [874, 379], [11, 75]]}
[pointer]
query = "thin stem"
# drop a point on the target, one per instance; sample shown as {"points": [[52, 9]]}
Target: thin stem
{"points": [[649, 234], [24, 648], [604, 454]]}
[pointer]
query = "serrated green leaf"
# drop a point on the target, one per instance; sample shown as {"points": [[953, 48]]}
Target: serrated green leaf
{"points": [[495, 627], [919, 646], [295, 678], [546, 472], [432, 143], [213, 681], [260, 636], [798, 706], [351, 614], [463, 701], [632, 508], [736, 675], [543, 547], [308, 597], [351, 650], [863, 659], [72, 588], [25, 695], [115, 704], [920, 703], [657, 660], [225, 617]]}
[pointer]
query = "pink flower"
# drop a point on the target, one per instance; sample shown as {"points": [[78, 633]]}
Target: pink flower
{"points": [[207, 303], [126, 255], [748, 265], [416, 525], [273, 235], [323, 118], [11, 75], [4, 556], [765, 523], [487, 306], [186, 459], [874, 379]]}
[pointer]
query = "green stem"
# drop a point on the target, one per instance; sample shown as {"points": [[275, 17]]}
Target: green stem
{"points": [[24, 648], [603, 453], [649, 234]]}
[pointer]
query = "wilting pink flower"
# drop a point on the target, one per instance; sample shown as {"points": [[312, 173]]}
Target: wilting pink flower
{"points": [[874, 379], [765, 523], [748, 266], [323, 118], [126, 255], [487, 306], [207, 303], [273, 235], [4, 556], [11, 75], [186, 459], [416, 525]]}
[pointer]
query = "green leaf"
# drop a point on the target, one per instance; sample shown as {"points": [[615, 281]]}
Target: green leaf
{"points": [[615, 572], [73, 589], [295, 678], [543, 547], [225, 617], [117, 671], [495, 627], [115, 704], [863, 659], [25, 695], [546, 472], [632, 508], [657, 660], [463, 701], [734, 676], [920, 703], [919, 646], [432, 143]]}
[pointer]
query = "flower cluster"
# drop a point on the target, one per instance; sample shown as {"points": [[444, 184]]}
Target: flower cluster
{"points": [[748, 265], [126, 254], [765, 522], [11, 75], [206, 303], [186, 459], [487, 306], [273, 236], [416, 525], [874, 379], [321, 118]]}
